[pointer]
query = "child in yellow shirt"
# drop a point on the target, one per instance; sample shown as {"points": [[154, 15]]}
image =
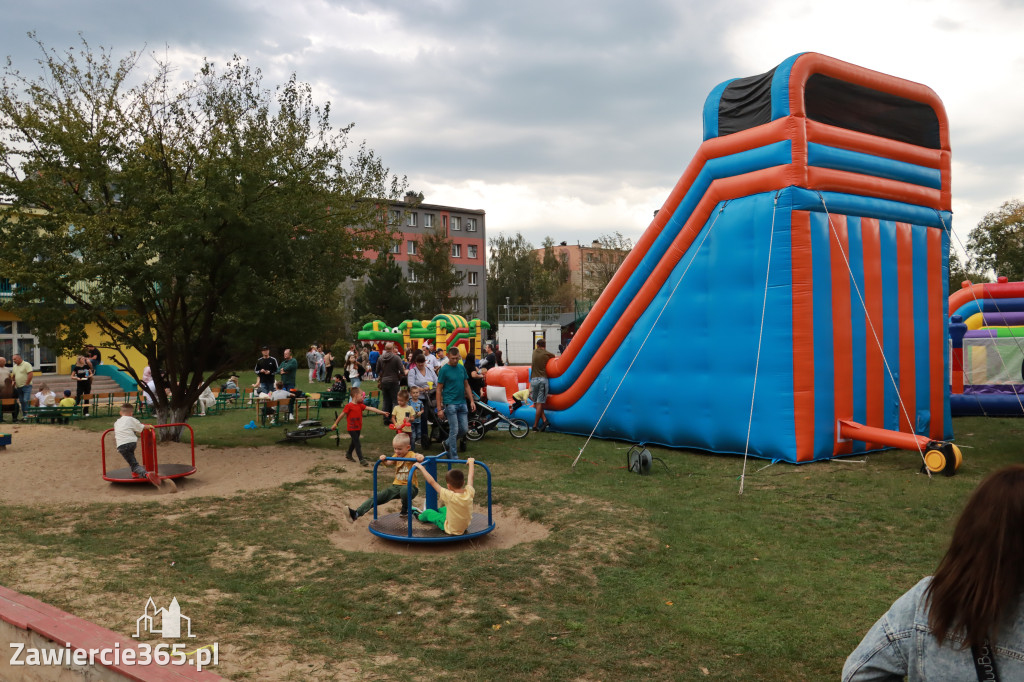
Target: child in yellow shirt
{"points": [[456, 515]]}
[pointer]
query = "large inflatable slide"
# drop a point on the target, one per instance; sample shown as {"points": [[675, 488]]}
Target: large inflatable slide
{"points": [[789, 300]]}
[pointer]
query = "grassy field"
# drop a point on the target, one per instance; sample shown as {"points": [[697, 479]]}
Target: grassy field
{"points": [[672, 576]]}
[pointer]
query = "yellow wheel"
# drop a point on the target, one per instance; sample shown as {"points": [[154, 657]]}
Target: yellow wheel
{"points": [[935, 460], [942, 458]]}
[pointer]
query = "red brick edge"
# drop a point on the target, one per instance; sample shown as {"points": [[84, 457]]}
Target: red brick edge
{"points": [[62, 628]]}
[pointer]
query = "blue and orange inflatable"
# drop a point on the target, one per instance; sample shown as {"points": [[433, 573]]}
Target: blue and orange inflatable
{"points": [[820, 197]]}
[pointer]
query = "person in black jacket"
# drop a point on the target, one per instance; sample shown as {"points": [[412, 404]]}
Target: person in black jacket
{"points": [[266, 371], [390, 371]]}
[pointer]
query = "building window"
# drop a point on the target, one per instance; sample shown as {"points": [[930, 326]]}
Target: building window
{"points": [[470, 224], [456, 250], [411, 248], [395, 217], [471, 279], [412, 275], [471, 251], [456, 223], [444, 222], [428, 220], [411, 220], [396, 247]]}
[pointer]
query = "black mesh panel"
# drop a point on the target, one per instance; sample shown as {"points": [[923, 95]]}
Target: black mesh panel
{"points": [[865, 110], [745, 103]]}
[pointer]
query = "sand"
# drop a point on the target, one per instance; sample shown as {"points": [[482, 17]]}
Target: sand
{"points": [[57, 465]]}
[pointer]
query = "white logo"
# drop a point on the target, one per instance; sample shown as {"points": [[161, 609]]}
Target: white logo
{"points": [[169, 621]]}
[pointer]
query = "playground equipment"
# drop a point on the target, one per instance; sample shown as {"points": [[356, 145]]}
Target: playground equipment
{"points": [[987, 342], [793, 279], [309, 429], [444, 330], [147, 443], [408, 529]]}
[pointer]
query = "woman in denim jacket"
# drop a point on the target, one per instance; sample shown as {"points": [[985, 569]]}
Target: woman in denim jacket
{"points": [[971, 607]]}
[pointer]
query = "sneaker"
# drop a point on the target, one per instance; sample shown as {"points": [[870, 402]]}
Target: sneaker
{"points": [[350, 458], [352, 515], [364, 463], [291, 417], [416, 510], [404, 514], [153, 478]]}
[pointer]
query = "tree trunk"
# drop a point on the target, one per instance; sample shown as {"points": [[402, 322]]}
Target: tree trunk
{"points": [[165, 414]]}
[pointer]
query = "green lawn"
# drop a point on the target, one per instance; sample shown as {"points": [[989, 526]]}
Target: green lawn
{"points": [[664, 577]]}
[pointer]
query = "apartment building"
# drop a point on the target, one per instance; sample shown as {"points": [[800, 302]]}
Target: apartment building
{"points": [[466, 229]]}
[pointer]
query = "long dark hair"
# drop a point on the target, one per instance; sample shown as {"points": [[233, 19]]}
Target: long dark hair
{"points": [[982, 574]]}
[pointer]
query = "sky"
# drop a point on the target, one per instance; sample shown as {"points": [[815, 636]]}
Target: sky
{"points": [[566, 118]]}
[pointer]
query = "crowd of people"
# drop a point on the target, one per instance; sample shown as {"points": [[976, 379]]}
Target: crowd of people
{"points": [[442, 386], [16, 381]]}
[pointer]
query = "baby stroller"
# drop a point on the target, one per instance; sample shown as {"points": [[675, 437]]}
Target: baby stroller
{"points": [[487, 418]]}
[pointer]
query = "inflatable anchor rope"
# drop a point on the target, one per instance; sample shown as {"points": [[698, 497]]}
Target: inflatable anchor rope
{"points": [[650, 331], [760, 336]]}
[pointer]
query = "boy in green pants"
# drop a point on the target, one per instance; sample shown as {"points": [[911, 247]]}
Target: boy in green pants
{"points": [[454, 518], [398, 490]]}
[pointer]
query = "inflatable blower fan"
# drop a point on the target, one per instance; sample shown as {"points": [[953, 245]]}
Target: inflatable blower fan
{"points": [[638, 460], [941, 458]]}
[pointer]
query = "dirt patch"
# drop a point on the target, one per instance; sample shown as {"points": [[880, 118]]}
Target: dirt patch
{"points": [[510, 529], [48, 464]]}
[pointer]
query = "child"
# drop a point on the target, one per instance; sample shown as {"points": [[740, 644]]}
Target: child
{"points": [[518, 398], [68, 402], [353, 411], [418, 423], [454, 518], [403, 413], [398, 488], [126, 435], [354, 371], [45, 397]]}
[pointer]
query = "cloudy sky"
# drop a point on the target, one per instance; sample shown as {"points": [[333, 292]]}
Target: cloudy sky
{"points": [[571, 118]]}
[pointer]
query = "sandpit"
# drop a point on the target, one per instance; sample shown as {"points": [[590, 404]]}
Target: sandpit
{"points": [[58, 465]]}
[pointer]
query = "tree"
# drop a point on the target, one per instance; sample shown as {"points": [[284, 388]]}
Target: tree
{"points": [[959, 272], [552, 285], [602, 262], [511, 270], [436, 279], [192, 222], [997, 243], [385, 295]]}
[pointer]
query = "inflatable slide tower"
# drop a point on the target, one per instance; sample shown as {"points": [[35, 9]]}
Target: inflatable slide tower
{"points": [[804, 250]]}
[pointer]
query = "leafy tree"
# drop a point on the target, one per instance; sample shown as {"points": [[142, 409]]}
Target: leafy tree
{"points": [[997, 243], [959, 272], [436, 278], [552, 285], [385, 294], [511, 270], [191, 221], [601, 263]]}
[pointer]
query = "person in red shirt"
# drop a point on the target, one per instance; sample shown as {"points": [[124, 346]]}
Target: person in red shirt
{"points": [[353, 412]]}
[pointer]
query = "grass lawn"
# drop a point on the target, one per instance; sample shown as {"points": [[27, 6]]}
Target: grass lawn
{"points": [[672, 576]]}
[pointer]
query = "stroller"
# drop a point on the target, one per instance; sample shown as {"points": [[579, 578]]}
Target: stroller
{"points": [[487, 418]]}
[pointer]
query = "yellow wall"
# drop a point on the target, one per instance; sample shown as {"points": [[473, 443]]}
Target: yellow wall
{"points": [[93, 335]]}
